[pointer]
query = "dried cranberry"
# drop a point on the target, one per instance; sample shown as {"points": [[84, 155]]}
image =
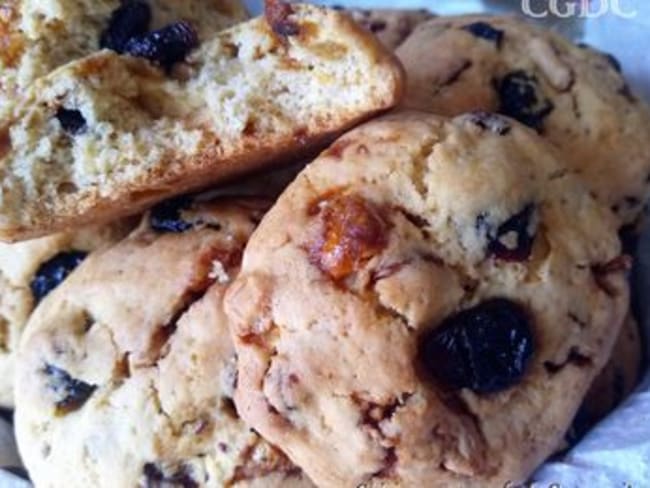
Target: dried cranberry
{"points": [[277, 14], [166, 216], [71, 393], [485, 31], [485, 348], [520, 98], [131, 19], [165, 46], [513, 240], [51, 273], [72, 121]]}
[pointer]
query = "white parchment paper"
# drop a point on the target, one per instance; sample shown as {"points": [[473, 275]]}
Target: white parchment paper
{"points": [[616, 453]]}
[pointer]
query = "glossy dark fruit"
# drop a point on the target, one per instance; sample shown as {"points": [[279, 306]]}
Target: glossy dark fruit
{"points": [[513, 240], [52, 272], [165, 46], [520, 97], [72, 121], [486, 348], [489, 121], [130, 20], [155, 477], [485, 31], [166, 216], [70, 392]]}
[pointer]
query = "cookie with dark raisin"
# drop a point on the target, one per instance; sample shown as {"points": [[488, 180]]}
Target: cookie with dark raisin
{"points": [[127, 371], [391, 26], [574, 96], [423, 301], [165, 111], [29, 272], [38, 36]]}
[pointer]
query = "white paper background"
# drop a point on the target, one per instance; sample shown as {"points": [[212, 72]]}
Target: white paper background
{"points": [[617, 452]]}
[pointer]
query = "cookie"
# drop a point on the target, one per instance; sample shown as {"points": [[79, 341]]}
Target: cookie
{"points": [[110, 134], [29, 271], [41, 35], [613, 384], [415, 307], [127, 369], [391, 26], [576, 97]]}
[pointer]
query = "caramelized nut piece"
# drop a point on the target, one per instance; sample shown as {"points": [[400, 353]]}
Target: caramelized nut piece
{"points": [[352, 232]]}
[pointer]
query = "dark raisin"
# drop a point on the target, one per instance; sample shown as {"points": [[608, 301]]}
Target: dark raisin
{"points": [[166, 216], [72, 121], [513, 239], [131, 19], [165, 46], [485, 31], [615, 63], [489, 121], [156, 478], [520, 98], [377, 26], [71, 393], [52, 272], [485, 348]]}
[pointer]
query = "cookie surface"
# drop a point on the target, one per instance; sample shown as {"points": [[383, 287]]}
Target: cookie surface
{"points": [[574, 96], [414, 308], [28, 272], [127, 369], [110, 134], [39, 36], [390, 26], [614, 383]]}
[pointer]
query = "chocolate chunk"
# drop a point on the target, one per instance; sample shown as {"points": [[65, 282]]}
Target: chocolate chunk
{"points": [[52, 272], [485, 31], [71, 393], [486, 348], [72, 121], [521, 98], [165, 46], [130, 20]]}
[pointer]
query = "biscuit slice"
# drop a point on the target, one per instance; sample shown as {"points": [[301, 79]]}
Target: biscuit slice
{"points": [[110, 134], [38, 36], [29, 271], [391, 26], [127, 370], [574, 96], [422, 297]]}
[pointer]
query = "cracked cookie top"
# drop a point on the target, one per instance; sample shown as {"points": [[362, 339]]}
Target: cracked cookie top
{"points": [[417, 304], [574, 96], [127, 370]]}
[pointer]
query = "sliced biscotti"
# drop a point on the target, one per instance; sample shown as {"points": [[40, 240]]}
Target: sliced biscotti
{"points": [[38, 36], [110, 134]]}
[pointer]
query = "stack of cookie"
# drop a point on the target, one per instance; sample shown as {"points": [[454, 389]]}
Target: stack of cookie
{"points": [[427, 303]]}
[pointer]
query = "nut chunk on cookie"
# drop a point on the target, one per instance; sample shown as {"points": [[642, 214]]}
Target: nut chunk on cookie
{"points": [[574, 96], [127, 370], [110, 134], [422, 297]]}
